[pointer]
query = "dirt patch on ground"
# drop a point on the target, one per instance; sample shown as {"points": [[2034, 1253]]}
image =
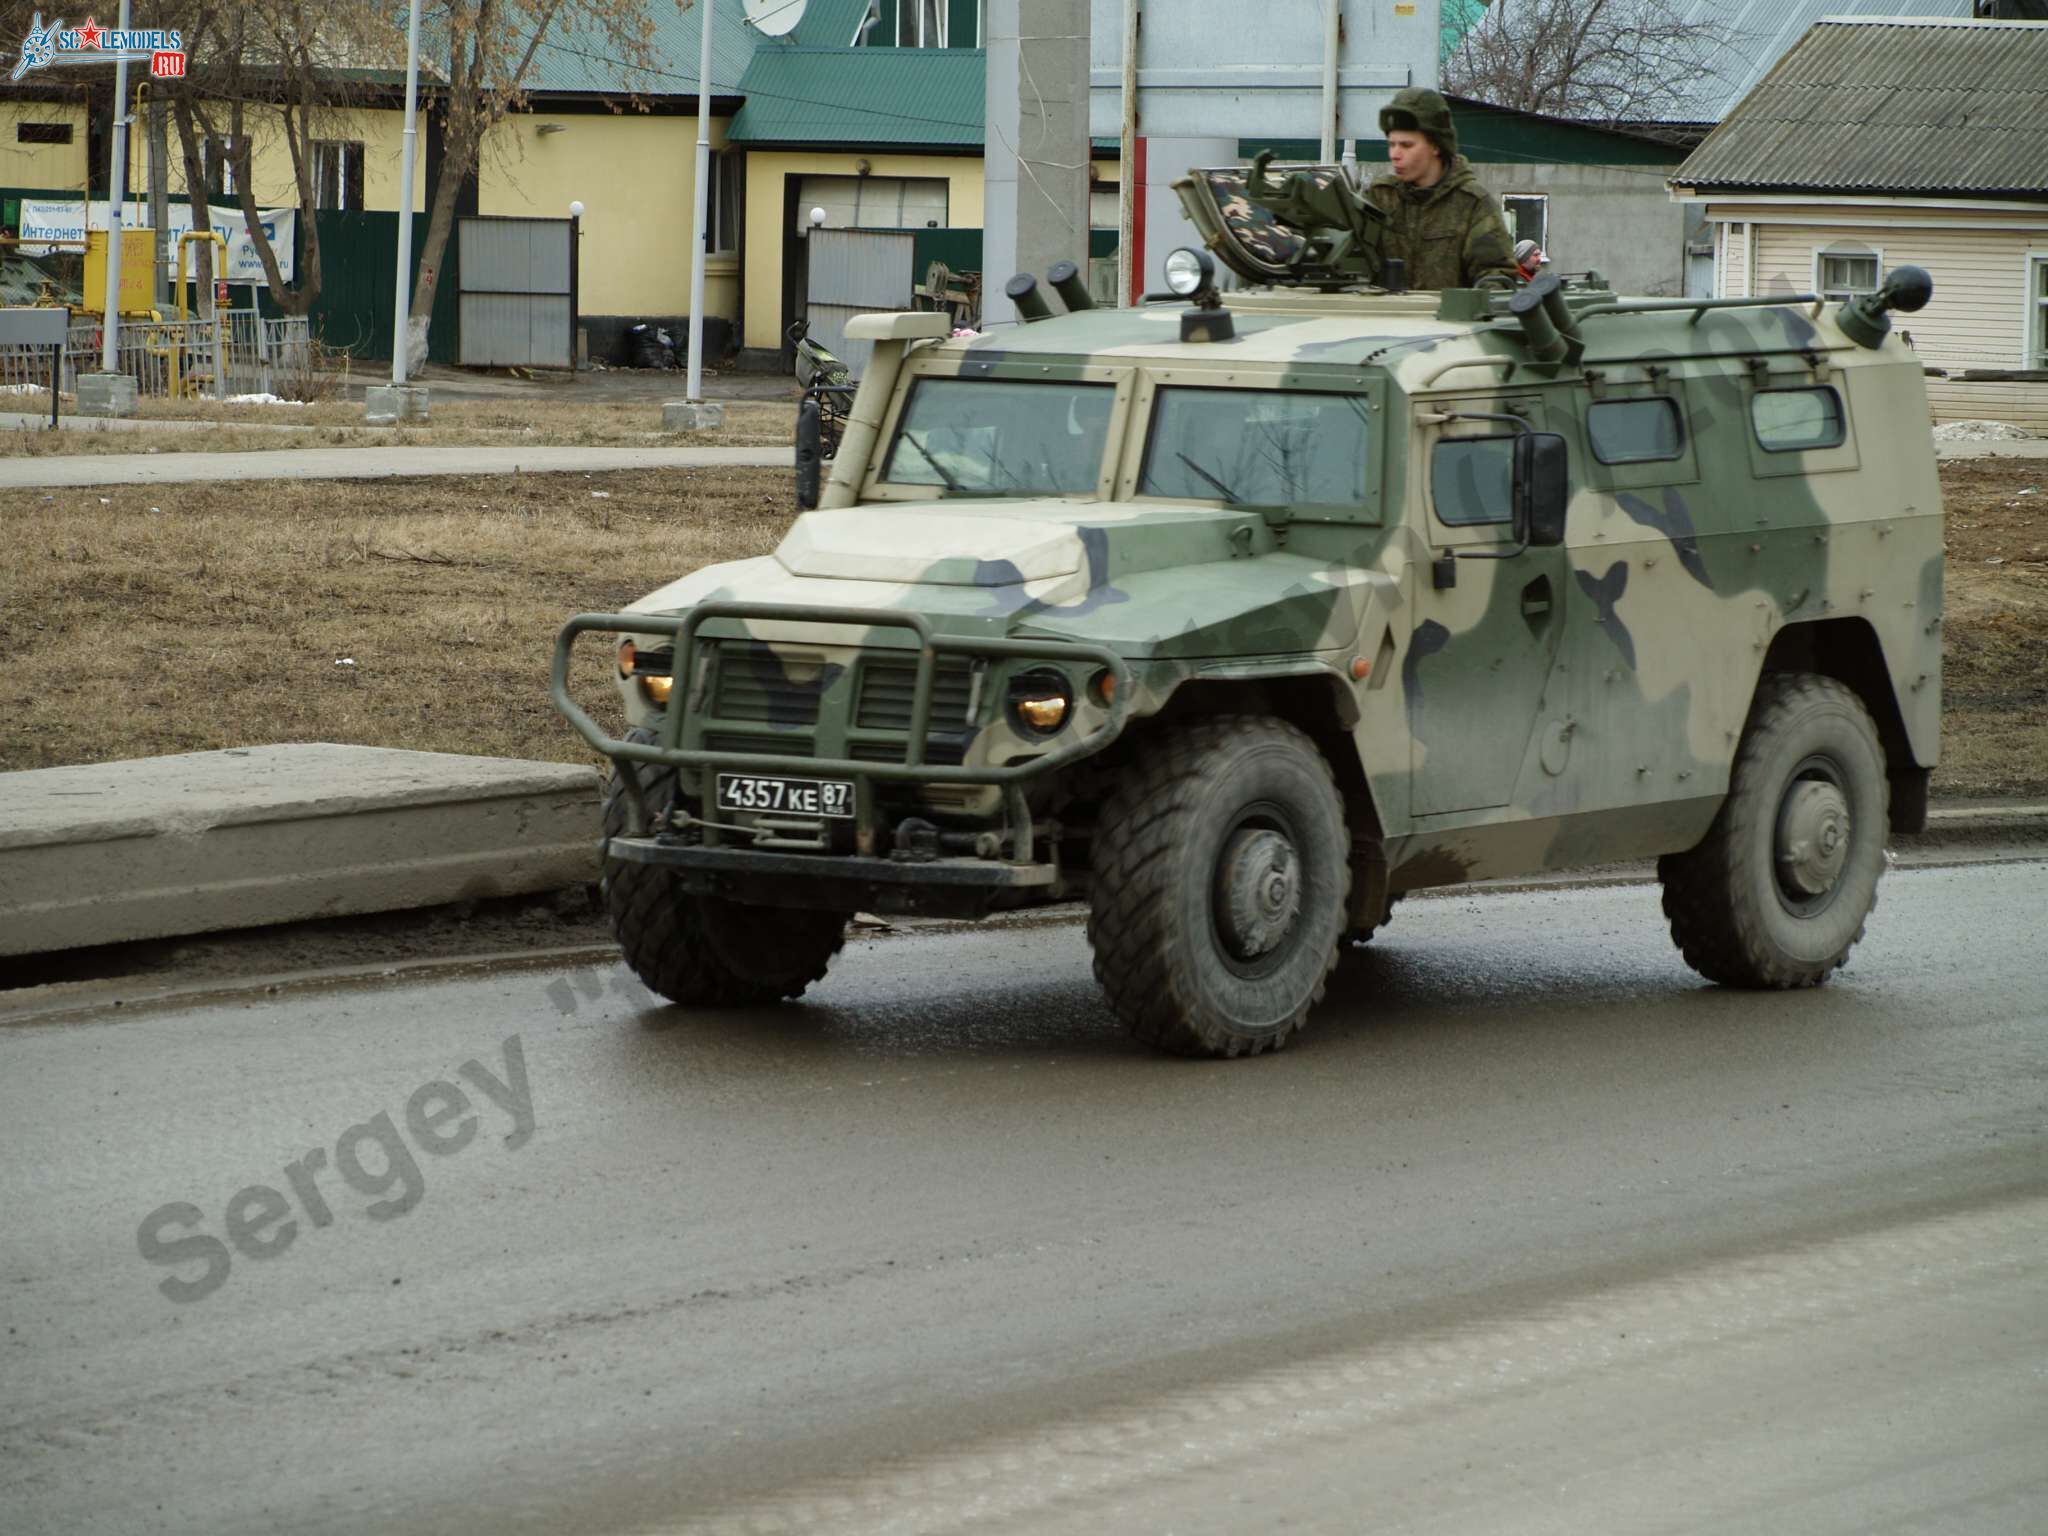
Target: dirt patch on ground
{"points": [[141, 620], [206, 426], [1995, 661]]}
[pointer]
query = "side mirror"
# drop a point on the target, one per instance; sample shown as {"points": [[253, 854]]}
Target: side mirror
{"points": [[810, 454], [1541, 489]]}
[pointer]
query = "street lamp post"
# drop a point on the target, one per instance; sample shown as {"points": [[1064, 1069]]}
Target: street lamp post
{"points": [[692, 414], [108, 393], [400, 401]]}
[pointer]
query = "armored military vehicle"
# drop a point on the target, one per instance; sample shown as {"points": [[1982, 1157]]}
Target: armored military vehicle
{"points": [[1240, 615]]}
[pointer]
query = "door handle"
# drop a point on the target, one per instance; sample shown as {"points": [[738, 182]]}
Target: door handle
{"points": [[1536, 602]]}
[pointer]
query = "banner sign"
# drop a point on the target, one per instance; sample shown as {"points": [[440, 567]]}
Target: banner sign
{"points": [[44, 219]]}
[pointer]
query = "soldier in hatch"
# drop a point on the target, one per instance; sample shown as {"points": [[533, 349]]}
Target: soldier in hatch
{"points": [[1441, 220]]}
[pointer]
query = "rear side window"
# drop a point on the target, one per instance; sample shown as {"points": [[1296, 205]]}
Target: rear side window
{"points": [[1472, 480], [1792, 420], [1634, 431]]}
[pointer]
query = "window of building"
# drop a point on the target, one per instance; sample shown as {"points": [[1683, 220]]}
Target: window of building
{"points": [[1796, 420], [337, 173], [42, 133], [218, 159], [923, 24], [728, 170], [1634, 431], [2037, 311], [1528, 218], [1842, 275]]}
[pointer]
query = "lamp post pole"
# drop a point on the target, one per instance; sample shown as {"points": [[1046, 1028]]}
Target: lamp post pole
{"points": [[703, 202], [117, 186], [400, 320]]}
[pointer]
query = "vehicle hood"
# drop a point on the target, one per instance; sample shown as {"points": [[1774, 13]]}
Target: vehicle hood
{"points": [[1003, 543], [1146, 578]]}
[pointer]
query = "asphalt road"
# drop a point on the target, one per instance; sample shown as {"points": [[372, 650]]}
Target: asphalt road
{"points": [[1530, 1231]]}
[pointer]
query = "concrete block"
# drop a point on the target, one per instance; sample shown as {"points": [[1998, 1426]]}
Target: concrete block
{"points": [[107, 394], [692, 416], [162, 846], [386, 404]]}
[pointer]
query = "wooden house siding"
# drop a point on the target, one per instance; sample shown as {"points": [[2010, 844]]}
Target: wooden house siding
{"points": [[1978, 258]]}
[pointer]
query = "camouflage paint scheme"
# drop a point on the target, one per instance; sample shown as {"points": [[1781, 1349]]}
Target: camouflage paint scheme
{"points": [[1566, 705]]}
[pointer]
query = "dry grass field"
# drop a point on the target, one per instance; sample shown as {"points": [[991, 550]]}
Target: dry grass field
{"points": [[138, 620], [206, 426], [143, 620]]}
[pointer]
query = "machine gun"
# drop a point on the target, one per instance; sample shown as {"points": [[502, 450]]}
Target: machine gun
{"points": [[1309, 227]]}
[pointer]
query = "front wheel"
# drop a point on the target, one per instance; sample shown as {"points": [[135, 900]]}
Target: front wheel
{"points": [[1220, 878], [704, 951], [1777, 893]]}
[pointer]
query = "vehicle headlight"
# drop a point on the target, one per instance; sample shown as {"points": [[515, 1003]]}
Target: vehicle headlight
{"points": [[1189, 271], [1040, 701], [651, 670]]}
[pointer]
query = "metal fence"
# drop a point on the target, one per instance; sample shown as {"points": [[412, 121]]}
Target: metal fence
{"points": [[239, 353]]}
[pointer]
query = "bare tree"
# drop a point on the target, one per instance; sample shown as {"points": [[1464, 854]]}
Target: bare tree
{"points": [[267, 67], [486, 51], [1610, 61]]}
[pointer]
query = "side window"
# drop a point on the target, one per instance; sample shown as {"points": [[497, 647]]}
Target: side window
{"points": [[1472, 480], [1635, 431], [1797, 420]]}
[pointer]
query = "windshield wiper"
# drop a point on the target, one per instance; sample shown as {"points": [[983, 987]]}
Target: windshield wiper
{"points": [[1225, 491], [943, 473]]}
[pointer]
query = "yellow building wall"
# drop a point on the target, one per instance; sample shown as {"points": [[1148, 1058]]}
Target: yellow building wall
{"points": [[381, 132], [766, 170], [636, 176], [55, 166]]}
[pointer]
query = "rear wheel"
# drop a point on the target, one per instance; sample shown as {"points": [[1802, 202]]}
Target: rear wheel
{"points": [[1221, 872], [1778, 891], [705, 951]]}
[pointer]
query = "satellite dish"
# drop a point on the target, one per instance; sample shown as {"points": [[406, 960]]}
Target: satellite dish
{"points": [[774, 18]]}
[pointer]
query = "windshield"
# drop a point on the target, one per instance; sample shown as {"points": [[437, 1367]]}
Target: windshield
{"points": [[1257, 447], [989, 437]]}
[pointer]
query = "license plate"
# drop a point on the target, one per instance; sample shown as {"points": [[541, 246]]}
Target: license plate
{"points": [[794, 797]]}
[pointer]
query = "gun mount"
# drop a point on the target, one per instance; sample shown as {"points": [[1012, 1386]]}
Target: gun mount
{"points": [[1309, 226]]}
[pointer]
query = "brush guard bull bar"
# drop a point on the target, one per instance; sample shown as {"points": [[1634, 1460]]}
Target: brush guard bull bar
{"points": [[715, 866]]}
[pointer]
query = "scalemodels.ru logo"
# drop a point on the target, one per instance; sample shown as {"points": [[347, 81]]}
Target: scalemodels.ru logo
{"points": [[163, 51]]}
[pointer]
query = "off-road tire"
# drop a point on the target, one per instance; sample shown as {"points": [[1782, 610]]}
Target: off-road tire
{"points": [[1154, 921], [705, 951], [1732, 915]]}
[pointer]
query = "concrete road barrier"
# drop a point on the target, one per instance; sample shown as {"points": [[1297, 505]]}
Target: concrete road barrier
{"points": [[155, 847]]}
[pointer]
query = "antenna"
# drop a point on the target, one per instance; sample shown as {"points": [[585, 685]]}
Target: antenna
{"points": [[774, 18]]}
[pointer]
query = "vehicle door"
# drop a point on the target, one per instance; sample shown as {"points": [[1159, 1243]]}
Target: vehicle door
{"points": [[1486, 616]]}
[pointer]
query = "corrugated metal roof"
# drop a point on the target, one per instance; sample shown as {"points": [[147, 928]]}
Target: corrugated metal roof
{"points": [[1892, 107], [1750, 36], [862, 96], [583, 59]]}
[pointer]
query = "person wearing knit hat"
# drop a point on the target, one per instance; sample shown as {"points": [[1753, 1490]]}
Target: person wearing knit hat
{"points": [[1443, 222]]}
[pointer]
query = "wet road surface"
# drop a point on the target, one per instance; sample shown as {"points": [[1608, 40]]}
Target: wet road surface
{"points": [[1529, 1230]]}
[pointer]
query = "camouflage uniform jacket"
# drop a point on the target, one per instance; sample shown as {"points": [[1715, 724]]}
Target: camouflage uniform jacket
{"points": [[1448, 234]]}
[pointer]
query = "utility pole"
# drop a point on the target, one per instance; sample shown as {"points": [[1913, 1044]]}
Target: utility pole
{"points": [[1333, 37], [1128, 190]]}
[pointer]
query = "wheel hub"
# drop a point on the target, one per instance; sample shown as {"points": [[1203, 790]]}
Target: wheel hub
{"points": [[1258, 891], [1813, 837]]}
